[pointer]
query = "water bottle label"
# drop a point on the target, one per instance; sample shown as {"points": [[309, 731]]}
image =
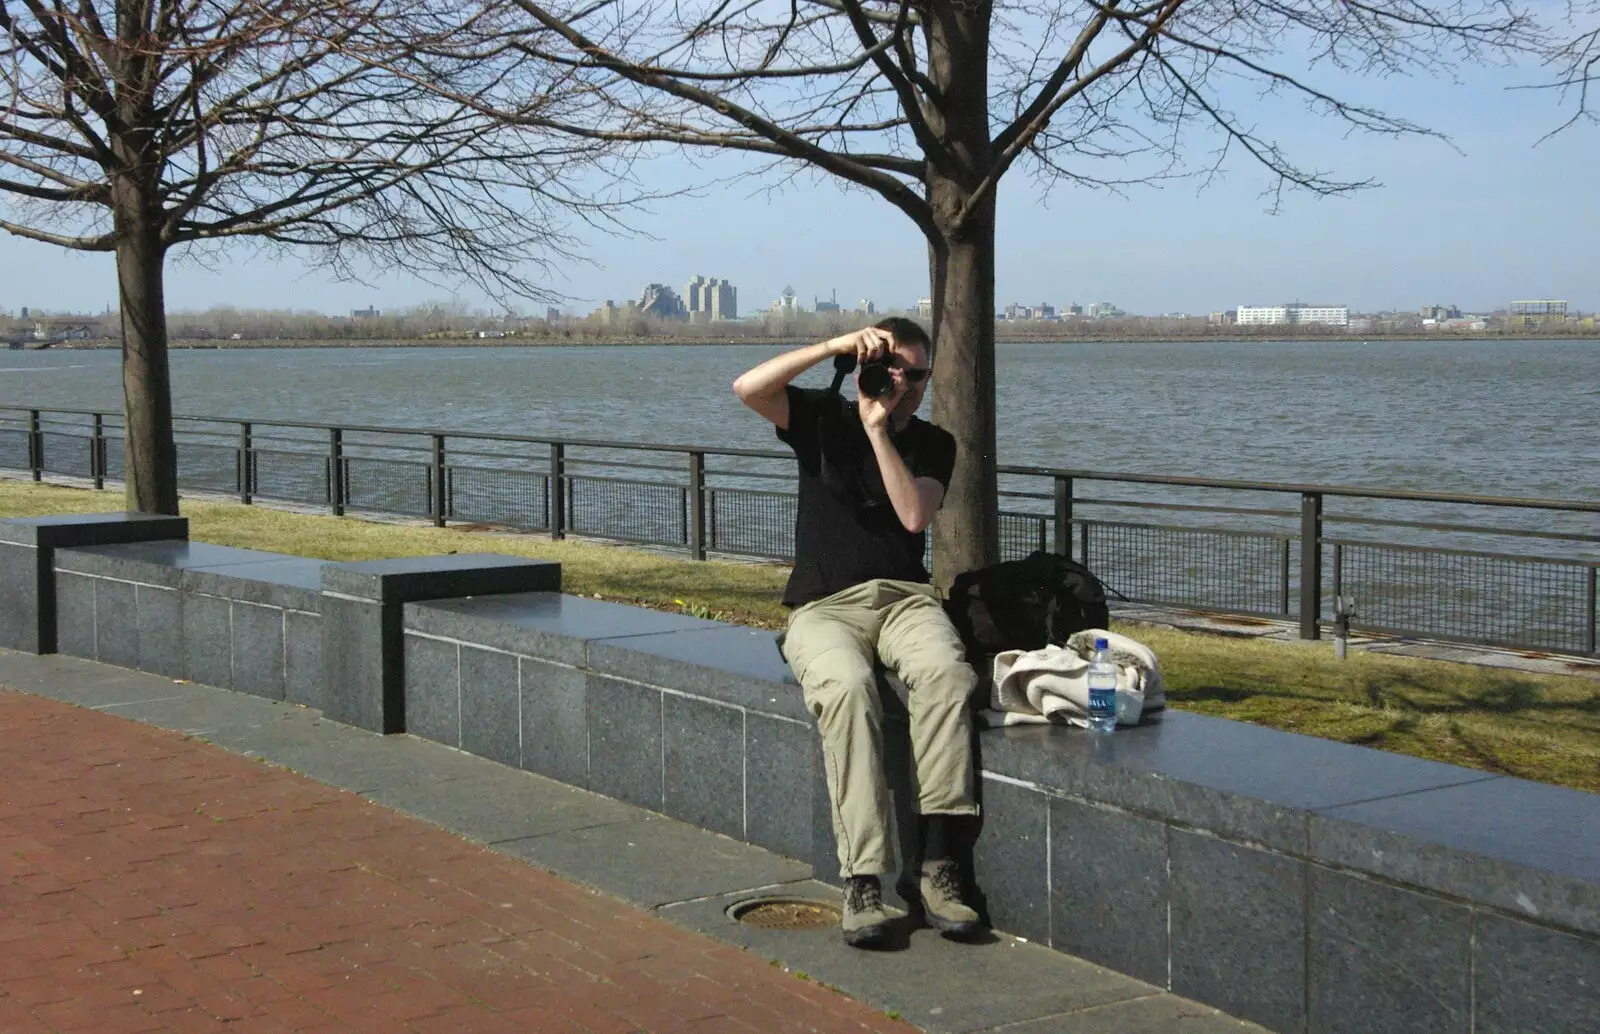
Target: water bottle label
{"points": [[1101, 701]]}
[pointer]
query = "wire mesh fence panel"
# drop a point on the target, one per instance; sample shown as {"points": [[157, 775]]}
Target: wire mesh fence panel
{"points": [[515, 498], [295, 477], [209, 468], [1534, 602], [1216, 570], [1022, 533], [632, 511], [388, 486], [66, 454], [13, 449], [116, 458], [751, 523]]}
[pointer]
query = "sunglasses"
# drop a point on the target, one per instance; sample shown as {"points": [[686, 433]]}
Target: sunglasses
{"points": [[913, 374]]}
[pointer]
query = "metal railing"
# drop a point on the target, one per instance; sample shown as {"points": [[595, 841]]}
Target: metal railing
{"points": [[1440, 565]]}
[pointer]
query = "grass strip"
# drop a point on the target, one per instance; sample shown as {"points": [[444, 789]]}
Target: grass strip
{"points": [[1535, 726]]}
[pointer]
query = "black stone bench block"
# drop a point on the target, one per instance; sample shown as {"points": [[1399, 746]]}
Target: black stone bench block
{"points": [[364, 650], [216, 615], [29, 615]]}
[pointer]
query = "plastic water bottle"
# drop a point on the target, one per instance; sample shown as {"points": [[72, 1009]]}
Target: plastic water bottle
{"points": [[1102, 689]]}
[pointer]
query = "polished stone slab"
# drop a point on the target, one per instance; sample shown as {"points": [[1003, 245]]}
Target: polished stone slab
{"points": [[363, 622], [289, 582], [91, 529], [405, 579], [1527, 847], [157, 563], [730, 663], [552, 626], [28, 554], [1230, 777]]}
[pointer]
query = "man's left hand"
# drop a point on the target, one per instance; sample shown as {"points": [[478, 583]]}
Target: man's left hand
{"points": [[875, 412]]}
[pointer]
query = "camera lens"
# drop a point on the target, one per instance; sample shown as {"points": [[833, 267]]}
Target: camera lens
{"points": [[875, 380]]}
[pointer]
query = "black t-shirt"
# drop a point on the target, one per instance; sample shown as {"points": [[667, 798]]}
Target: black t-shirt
{"points": [[845, 530]]}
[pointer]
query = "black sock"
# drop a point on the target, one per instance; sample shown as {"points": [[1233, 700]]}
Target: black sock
{"points": [[936, 839]]}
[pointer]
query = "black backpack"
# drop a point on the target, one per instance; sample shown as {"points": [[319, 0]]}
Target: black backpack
{"points": [[1025, 604]]}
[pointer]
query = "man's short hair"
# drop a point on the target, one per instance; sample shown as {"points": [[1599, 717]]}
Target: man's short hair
{"points": [[907, 332]]}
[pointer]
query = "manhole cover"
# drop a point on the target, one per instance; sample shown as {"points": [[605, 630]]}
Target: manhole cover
{"points": [[786, 913]]}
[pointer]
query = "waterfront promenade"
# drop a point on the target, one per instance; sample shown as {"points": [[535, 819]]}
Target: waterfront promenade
{"points": [[157, 875]]}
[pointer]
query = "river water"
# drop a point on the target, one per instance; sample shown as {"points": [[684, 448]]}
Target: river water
{"points": [[1494, 418]]}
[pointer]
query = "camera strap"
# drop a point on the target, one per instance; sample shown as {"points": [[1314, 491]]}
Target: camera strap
{"points": [[843, 366]]}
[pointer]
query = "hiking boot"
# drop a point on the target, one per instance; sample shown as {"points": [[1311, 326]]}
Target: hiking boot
{"points": [[941, 901], [865, 922]]}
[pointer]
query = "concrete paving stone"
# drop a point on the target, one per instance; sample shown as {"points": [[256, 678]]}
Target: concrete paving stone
{"points": [[1153, 1014], [503, 805], [654, 860], [936, 984]]}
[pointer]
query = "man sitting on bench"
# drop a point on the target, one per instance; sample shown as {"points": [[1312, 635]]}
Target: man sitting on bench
{"points": [[872, 475]]}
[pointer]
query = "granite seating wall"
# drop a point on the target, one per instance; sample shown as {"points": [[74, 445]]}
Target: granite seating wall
{"points": [[1303, 884], [241, 619]]}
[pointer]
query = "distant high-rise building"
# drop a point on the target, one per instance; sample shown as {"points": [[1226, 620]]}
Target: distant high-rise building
{"points": [[661, 301], [1533, 313], [787, 304], [925, 308], [711, 298], [369, 313], [869, 307], [830, 305], [1296, 313]]}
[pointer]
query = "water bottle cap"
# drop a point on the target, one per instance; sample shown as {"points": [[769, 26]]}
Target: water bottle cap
{"points": [[1101, 644]]}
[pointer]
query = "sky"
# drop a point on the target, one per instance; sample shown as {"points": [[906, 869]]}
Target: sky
{"points": [[1491, 216]]}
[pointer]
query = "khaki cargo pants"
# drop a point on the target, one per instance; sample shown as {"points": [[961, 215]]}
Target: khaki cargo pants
{"points": [[832, 644]]}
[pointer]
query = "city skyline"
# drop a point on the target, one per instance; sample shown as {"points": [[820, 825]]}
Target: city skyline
{"points": [[1491, 219]]}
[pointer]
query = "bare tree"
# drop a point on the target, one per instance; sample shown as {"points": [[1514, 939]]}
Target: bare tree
{"points": [[930, 103], [143, 126], [1575, 62]]}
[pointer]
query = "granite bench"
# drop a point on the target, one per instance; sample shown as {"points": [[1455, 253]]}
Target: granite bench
{"points": [[1304, 884]]}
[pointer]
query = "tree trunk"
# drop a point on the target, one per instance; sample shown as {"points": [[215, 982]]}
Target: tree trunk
{"points": [[966, 534], [151, 457]]}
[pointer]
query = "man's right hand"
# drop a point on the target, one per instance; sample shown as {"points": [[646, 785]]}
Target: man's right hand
{"points": [[866, 343]]}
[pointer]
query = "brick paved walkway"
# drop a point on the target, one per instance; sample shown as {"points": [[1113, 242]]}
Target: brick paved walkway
{"points": [[151, 882]]}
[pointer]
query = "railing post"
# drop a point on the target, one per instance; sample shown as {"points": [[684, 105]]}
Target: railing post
{"points": [[336, 492], [558, 491], [1064, 516], [97, 452], [697, 505], [247, 472], [1311, 565], [1283, 576], [35, 446], [1083, 543], [440, 496], [1589, 645]]}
